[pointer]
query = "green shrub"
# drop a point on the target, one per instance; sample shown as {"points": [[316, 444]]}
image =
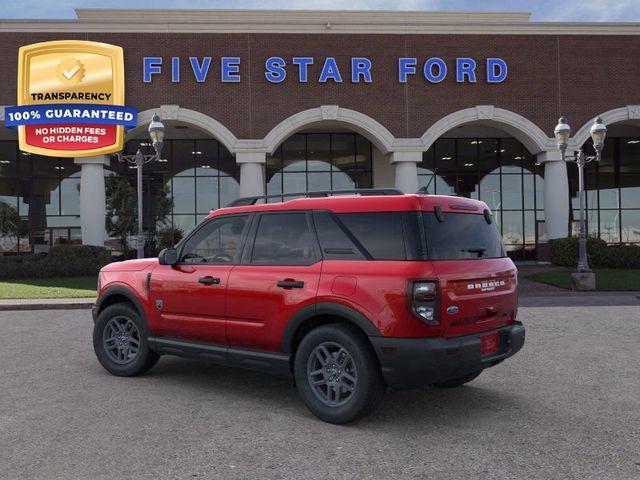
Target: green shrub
{"points": [[564, 252], [61, 261]]}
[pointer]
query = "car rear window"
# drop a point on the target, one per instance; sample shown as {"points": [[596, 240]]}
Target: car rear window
{"points": [[461, 236]]}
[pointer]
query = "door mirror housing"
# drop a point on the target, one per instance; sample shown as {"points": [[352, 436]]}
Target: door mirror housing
{"points": [[168, 256]]}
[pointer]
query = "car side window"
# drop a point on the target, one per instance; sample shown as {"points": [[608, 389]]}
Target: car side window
{"points": [[284, 239], [217, 242]]}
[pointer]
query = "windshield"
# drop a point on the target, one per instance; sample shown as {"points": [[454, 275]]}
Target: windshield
{"points": [[461, 236]]}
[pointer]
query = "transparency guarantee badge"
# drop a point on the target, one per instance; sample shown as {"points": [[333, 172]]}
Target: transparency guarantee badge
{"points": [[71, 99]]}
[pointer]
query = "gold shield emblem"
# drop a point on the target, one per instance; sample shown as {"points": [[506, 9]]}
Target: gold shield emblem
{"points": [[71, 72]]}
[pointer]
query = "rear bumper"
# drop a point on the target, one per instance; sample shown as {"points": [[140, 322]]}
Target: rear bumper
{"points": [[416, 362]]}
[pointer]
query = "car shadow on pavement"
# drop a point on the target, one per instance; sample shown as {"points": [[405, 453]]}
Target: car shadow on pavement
{"points": [[278, 394]]}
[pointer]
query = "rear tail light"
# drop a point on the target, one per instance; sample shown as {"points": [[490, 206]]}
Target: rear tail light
{"points": [[423, 301]]}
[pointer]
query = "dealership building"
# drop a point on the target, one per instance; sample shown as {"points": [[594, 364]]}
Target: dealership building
{"points": [[275, 102]]}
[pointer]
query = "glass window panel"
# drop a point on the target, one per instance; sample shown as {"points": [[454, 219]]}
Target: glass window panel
{"points": [[294, 182], [608, 193], [319, 181], [488, 155], [217, 242], [363, 153], [630, 190], [344, 180], [539, 181], [467, 186], [284, 239], [529, 227], [70, 196], [206, 157], [8, 158], [629, 155], [445, 156], [318, 151], [511, 155], [44, 166], [184, 223], [59, 221], [427, 181], [512, 192], [528, 192], [490, 191], [631, 226], [182, 163], [512, 229], [183, 195], [610, 226], [467, 152], [342, 151], [227, 164], [274, 185], [207, 194], [363, 179], [294, 152], [229, 190], [427, 160], [444, 185]]}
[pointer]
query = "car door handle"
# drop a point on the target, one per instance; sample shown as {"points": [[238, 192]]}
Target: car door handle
{"points": [[209, 280], [290, 283]]}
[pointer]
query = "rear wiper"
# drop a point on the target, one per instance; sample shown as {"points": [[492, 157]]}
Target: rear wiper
{"points": [[477, 250]]}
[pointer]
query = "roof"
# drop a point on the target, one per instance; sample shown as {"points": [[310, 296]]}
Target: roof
{"points": [[365, 204], [310, 21]]}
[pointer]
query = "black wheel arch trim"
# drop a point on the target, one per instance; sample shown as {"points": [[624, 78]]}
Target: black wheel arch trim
{"points": [[325, 308], [117, 290]]}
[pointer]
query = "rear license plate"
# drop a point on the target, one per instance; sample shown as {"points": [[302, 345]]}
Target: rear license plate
{"points": [[489, 344]]}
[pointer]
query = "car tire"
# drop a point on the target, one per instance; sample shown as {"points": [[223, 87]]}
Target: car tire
{"points": [[456, 382], [120, 341], [337, 374]]}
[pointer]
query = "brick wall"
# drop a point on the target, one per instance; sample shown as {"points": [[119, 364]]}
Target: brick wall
{"points": [[578, 76]]}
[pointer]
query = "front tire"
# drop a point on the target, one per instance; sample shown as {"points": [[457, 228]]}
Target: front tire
{"points": [[337, 374], [120, 341]]}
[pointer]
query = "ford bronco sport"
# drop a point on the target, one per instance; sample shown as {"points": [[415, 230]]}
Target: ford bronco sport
{"points": [[346, 294]]}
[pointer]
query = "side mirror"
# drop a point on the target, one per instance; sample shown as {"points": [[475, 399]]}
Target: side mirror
{"points": [[168, 256]]}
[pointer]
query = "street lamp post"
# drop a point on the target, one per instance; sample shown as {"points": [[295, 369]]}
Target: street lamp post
{"points": [[583, 278], [156, 133]]}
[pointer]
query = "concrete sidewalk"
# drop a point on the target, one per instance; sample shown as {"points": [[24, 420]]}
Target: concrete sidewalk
{"points": [[46, 304]]}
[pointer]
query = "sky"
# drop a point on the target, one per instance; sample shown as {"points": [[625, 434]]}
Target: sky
{"points": [[542, 10]]}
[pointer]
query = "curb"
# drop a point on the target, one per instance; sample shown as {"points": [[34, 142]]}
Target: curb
{"points": [[9, 307]]}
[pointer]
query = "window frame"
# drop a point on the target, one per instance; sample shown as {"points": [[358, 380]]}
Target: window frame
{"points": [[247, 254], [243, 238]]}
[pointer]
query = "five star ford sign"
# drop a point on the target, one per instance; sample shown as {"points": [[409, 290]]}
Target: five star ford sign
{"points": [[70, 99]]}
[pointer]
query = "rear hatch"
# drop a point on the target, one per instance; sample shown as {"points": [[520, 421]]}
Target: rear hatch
{"points": [[477, 282]]}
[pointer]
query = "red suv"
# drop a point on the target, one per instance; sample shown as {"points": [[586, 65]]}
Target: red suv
{"points": [[346, 294]]}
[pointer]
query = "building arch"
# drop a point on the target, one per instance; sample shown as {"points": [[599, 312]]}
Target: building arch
{"points": [[186, 115], [373, 130], [616, 115], [521, 128]]}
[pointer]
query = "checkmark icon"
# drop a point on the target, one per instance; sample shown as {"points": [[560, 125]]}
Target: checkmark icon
{"points": [[71, 73]]}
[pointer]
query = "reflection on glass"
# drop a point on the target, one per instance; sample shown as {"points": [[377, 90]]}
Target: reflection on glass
{"points": [[630, 226], [610, 226]]}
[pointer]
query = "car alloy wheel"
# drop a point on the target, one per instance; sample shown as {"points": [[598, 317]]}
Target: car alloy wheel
{"points": [[121, 340], [332, 374]]}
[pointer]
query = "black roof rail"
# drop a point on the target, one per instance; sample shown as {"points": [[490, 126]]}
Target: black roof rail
{"points": [[243, 201]]}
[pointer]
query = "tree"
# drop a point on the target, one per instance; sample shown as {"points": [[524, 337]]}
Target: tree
{"points": [[122, 208], [9, 221]]}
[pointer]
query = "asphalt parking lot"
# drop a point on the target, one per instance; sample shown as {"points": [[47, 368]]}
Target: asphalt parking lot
{"points": [[568, 406]]}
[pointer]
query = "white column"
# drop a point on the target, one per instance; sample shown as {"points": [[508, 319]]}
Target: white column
{"points": [[556, 194], [93, 207], [406, 166], [251, 173]]}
